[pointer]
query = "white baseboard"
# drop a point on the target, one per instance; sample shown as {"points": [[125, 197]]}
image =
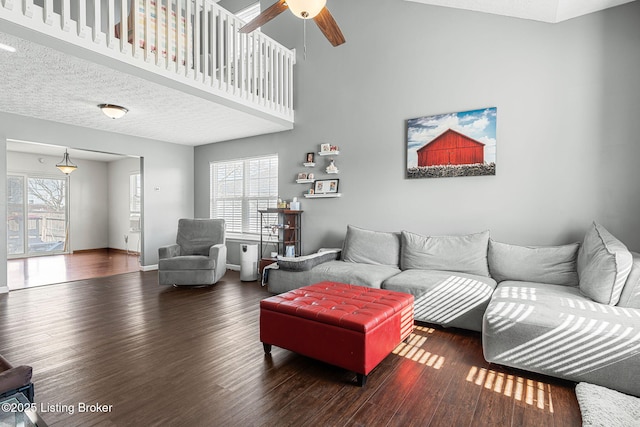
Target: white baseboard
{"points": [[233, 267], [4, 289]]}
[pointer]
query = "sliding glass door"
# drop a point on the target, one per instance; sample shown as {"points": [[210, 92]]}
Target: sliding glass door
{"points": [[37, 215]]}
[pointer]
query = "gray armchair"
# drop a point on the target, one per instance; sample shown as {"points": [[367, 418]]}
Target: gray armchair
{"points": [[199, 256]]}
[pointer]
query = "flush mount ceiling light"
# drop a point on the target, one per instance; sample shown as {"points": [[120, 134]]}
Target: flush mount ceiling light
{"points": [[66, 165], [113, 111]]}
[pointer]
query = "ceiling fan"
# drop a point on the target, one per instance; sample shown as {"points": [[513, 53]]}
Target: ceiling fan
{"points": [[305, 9]]}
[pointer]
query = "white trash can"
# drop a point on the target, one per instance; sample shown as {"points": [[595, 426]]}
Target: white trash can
{"points": [[248, 262]]}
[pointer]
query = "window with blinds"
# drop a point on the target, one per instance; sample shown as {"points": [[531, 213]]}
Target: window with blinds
{"points": [[239, 188], [135, 199]]}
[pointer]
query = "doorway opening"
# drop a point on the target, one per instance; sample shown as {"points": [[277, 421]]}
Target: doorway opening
{"points": [[72, 227]]}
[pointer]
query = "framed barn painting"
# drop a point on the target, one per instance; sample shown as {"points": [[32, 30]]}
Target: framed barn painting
{"points": [[454, 144]]}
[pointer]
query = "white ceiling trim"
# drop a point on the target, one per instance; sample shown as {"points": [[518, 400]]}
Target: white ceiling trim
{"points": [[551, 11], [42, 149]]}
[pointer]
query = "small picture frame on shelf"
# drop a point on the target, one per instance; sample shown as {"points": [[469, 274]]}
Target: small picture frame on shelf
{"points": [[325, 148], [326, 186], [302, 176], [310, 158], [310, 176]]}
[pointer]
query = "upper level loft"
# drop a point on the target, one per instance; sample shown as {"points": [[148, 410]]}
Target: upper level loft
{"points": [[183, 54]]}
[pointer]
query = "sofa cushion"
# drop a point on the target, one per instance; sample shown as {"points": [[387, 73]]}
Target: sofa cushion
{"points": [[371, 247], [463, 254], [556, 265], [555, 330], [306, 262], [604, 263], [444, 297], [190, 262], [352, 273], [630, 296]]}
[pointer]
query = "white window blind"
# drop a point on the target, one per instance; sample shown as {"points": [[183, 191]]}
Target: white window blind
{"points": [[239, 188], [135, 199], [135, 192]]}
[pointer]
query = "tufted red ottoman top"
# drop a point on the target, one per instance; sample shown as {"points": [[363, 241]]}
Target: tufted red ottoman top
{"points": [[351, 307]]}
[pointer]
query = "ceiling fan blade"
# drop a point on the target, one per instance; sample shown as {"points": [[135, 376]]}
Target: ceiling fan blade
{"points": [[267, 15], [329, 27]]}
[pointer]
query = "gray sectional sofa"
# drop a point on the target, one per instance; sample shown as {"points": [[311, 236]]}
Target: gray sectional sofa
{"points": [[570, 311]]}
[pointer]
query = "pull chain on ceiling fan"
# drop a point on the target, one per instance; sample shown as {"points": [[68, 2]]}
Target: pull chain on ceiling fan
{"points": [[304, 9]]}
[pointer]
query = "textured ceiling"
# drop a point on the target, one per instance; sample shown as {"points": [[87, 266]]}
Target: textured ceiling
{"points": [[552, 11], [44, 83]]}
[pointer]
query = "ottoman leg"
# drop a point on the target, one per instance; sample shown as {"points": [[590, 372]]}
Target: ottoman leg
{"points": [[267, 348], [362, 379]]}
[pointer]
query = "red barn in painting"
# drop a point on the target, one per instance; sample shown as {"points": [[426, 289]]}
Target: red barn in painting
{"points": [[451, 148]]}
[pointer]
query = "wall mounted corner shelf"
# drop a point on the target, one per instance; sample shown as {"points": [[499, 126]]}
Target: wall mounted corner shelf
{"points": [[323, 196]]}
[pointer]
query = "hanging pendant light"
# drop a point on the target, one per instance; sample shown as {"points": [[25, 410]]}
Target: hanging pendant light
{"points": [[66, 165]]}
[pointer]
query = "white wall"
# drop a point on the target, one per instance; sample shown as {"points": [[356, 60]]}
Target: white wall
{"points": [[88, 207], [168, 173], [119, 172], [567, 138]]}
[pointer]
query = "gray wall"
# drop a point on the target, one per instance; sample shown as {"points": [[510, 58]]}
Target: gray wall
{"points": [[88, 204], [167, 176], [567, 141]]}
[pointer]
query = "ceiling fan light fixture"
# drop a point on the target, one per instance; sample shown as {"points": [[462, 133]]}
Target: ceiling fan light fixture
{"points": [[113, 111], [306, 9]]}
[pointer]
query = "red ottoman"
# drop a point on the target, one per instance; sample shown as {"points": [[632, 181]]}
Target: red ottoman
{"points": [[350, 326]]}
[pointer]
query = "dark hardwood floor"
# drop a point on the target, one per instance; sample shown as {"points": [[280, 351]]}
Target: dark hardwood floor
{"points": [[81, 265], [192, 357]]}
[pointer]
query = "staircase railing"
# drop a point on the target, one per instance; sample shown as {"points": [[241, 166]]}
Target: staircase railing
{"points": [[192, 41]]}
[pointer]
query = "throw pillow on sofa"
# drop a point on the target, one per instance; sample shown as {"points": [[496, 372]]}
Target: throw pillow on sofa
{"points": [[371, 247], [463, 254], [630, 296], [554, 265], [604, 263]]}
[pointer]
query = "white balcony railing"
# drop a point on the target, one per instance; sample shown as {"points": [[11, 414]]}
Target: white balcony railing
{"points": [[192, 41]]}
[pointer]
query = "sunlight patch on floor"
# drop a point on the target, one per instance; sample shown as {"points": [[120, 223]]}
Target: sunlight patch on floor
{"points": [[412, 349], [533, 393]]}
